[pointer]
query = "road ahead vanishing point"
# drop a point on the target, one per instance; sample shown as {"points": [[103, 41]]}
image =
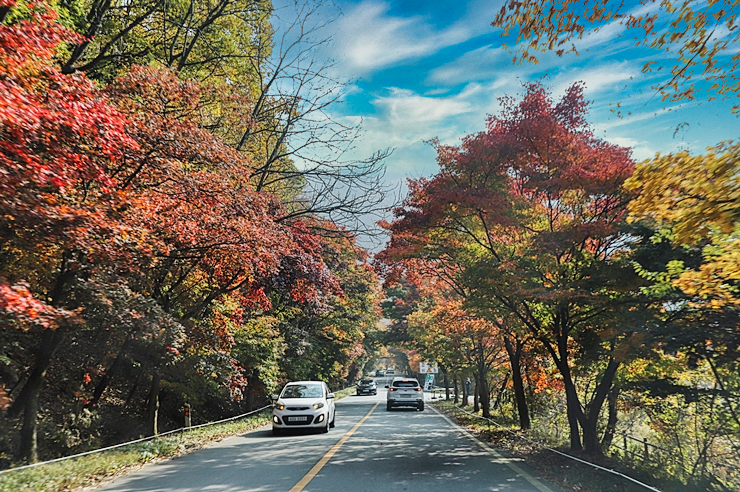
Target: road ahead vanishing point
{"points": [[370, 449]]}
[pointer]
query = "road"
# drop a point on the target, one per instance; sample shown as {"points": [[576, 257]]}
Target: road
{"points": [[370, 449]]}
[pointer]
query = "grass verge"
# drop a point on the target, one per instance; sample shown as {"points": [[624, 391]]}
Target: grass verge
{"points": [[343, 393], [565, 473], [94, 469]]}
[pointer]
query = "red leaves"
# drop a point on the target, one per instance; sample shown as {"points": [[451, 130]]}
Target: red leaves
{"points": [[191, 193], [127, 183], [536, 184], [59, 138], [17, 302]]}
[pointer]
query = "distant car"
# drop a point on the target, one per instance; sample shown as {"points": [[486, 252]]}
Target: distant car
{"points": [[404, 392], [367, 387], [379, 373], [388, 372], [304, 405]]}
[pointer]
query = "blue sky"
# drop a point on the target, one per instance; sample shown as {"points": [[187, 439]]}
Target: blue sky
{"points": [[435, 69]]}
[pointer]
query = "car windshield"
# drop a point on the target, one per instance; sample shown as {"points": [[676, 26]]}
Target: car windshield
{"points": [[405, 384], [303, 391], [366, 381]]}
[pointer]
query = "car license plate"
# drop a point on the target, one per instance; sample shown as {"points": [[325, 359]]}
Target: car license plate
{"points": [[406, 396], [297, 419]]}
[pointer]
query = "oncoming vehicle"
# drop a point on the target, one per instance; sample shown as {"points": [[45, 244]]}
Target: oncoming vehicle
{"points": [[303, 405], [367, 387], [379, 373], [389, 372], [405, 392]]}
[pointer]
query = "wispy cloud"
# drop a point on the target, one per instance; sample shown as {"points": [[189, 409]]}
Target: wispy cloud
{"points": [[369, 36], [482, 63]]}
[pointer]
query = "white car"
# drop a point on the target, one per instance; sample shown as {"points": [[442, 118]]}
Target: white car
{"points": [[404, 392], [303, 405]]}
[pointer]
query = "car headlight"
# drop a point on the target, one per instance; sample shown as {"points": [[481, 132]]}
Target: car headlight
{"points": [[318, 405], [280, 406]]}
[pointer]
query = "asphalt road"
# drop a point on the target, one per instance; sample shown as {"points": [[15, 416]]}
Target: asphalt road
{"points": [[370, 449]]}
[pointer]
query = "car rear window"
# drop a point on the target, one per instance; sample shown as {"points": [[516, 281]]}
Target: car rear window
{"points": [[405, 384]]}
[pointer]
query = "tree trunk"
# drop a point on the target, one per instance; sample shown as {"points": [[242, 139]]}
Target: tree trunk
{"points": [[500, 392], [573, 405], [515, 355], [251, 388], [476, 400], [28, 399], [105, 380], [482, 390], [447, 388], [611, 424], [152, 406], [589, 424], [454, 382], [484, 394], [465, 393]]}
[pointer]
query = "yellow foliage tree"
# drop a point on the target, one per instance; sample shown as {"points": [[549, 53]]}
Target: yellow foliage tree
{"points": [[696, 199]]}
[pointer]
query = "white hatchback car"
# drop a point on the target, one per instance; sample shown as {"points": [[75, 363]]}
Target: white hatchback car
{"points": [[405, 392], [303, 405]]}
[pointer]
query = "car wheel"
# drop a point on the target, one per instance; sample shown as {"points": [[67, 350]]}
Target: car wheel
{"points": [[325, 429], [331, 424], [276, 432], [388, 407], [421, 407]]}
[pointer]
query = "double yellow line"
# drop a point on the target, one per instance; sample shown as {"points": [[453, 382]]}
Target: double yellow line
{"points": [[325, 459]]}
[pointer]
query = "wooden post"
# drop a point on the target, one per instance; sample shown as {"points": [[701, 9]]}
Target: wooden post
{"points": [[645, 446], [624, 442]]}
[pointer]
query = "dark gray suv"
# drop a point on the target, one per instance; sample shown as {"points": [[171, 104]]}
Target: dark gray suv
{"points": [[367, 387]]}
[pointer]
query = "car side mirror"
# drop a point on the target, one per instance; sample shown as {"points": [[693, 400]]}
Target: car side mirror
{"points": [[274, 397], [387, 386], [330, 395]]}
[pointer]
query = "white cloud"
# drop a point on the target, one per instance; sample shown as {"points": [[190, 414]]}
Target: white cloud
{"points": [[403, 105], [479, 64], [604, 77], [368, 37]]}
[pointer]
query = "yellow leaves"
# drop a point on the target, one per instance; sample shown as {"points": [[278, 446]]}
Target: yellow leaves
{"points": [[699, 198], [693, 193]]}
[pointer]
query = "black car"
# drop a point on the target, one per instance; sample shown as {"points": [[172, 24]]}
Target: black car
{"points": [[367, 387]]}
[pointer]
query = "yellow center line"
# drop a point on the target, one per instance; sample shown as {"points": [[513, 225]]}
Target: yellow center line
{"points": [[325, 459]]}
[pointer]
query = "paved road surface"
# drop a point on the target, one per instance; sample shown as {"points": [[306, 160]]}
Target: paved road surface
{"points": [[402, 450]]}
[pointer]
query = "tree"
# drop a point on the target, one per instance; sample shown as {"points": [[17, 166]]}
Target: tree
{"points": [[694, 198], [276, 99], [59, 135], [460, 340], [692, 202], [138, 264], [700, 36], [300, 148], [329, 339], [200, 40], [531, 212]]}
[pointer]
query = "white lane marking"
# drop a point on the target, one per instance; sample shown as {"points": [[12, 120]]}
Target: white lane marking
{"points": [[526, 476]]}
